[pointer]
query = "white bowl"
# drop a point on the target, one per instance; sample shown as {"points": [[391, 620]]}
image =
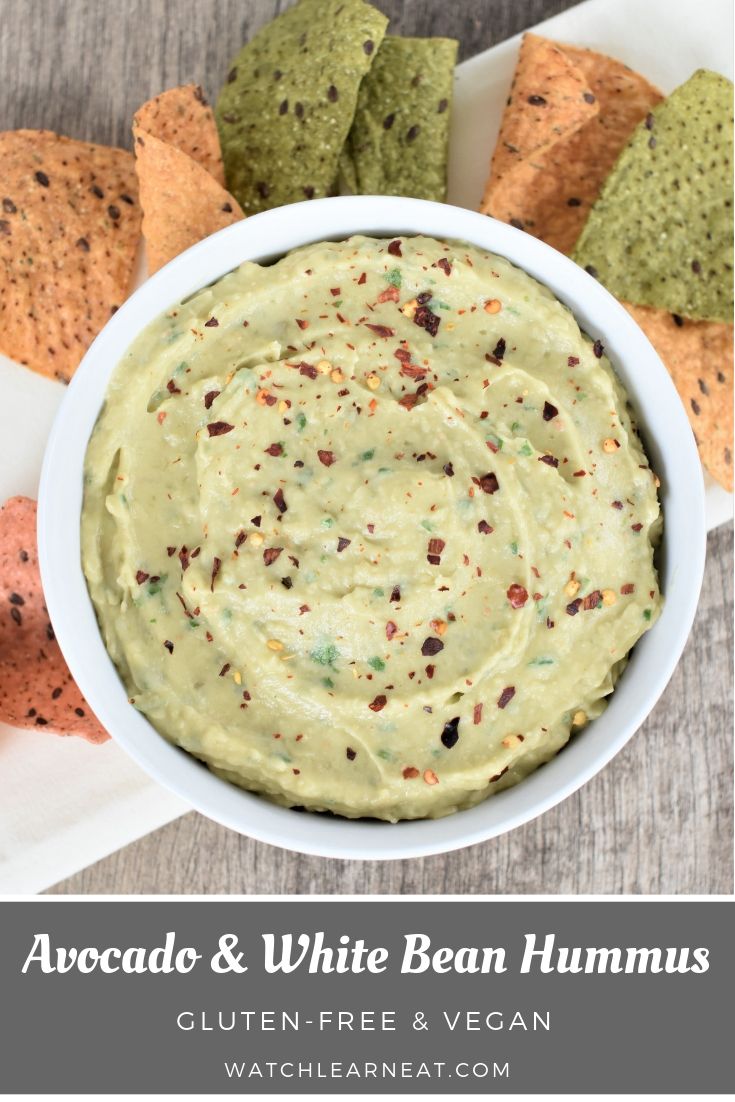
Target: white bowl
{"points": [[667, 436]]}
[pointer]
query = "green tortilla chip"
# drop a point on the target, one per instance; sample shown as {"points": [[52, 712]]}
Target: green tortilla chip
{"points": [[290, 98], [661, 232], [399, 138]]}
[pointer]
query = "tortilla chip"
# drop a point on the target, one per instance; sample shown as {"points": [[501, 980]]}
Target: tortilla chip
{"points": [[182, 203], [553, 157], [36, 687], [69, 229], [699, 358], [661, 232], [399, 139], [183, 118], [287, 107]]}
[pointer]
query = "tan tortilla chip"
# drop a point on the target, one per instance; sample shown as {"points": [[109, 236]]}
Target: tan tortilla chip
{"points": [[699, 358], [36, 687], [183, 118], [553, 157], [182, 203], [69, 229]]}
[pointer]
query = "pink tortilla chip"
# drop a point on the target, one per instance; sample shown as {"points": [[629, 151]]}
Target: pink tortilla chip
{"points": [[36, 687]]}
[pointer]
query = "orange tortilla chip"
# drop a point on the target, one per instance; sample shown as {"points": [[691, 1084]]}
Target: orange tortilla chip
{"points": [[69, 229], [568, 116], [36, 687], [183, 118], [699, 358], [182, 203]]}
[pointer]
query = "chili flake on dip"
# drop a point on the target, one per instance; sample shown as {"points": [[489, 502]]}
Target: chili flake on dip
{"points": [[370, 530]]}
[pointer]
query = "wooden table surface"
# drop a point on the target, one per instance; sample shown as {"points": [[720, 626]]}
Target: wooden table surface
{"points": [[659, 817]]}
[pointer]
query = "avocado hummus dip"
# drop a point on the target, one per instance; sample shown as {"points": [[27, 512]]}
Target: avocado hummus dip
{"points": [[370, 529]]}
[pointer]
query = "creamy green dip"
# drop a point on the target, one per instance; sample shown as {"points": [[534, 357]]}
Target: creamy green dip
{"points": [[370, 529]]}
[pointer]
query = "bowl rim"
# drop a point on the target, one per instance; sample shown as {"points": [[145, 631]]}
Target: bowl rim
{"points": [[264, 236]]}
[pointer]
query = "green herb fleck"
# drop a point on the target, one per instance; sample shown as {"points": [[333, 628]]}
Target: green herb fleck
{"points": [[376, 663], [367, 455], [325, 655], [301, 421], [394, 277], [647, 614]]}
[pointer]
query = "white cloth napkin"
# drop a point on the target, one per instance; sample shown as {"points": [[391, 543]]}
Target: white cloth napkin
{"points": [[65, 804]]}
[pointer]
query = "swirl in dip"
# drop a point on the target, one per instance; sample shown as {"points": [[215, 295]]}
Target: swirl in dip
{"points": [[370, 529]]}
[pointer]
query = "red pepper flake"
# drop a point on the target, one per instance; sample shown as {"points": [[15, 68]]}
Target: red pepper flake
{"points": [[219, 428], [280, 501], [169, 646], [303, 609], [395, 248], [592, 600], [380, 330], [403, 355], [274, 449], [629, 587], [549, 460], [574, 607], [450, 734], [391, 628], [309, 370], [170, 551], [216, 565], [427, 319], [579, 474], [172, 388], [431, 646], [636, 527], [445, 266], [390, 294], [210, 396], [270, 554], [413, 371], [598, 348], [517, 595], [436, 546], [448, 470], [225, 669], [430, 673], [484, 528], [395, 593], [240, 538], [256, 521], [550, 412], [350, 753], [326, 458], [488, 483], [408, 401], [477, 715], [141, 577], [342, 543], [362, 279], [211, 324], [506, 696], [184, 558], [572, 361], [302, 324], [378, 704], [499, 775], [334, 291], [410, 773]]}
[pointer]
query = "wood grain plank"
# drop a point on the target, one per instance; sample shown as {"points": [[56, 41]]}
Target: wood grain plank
{"points": [[659, 818]]}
